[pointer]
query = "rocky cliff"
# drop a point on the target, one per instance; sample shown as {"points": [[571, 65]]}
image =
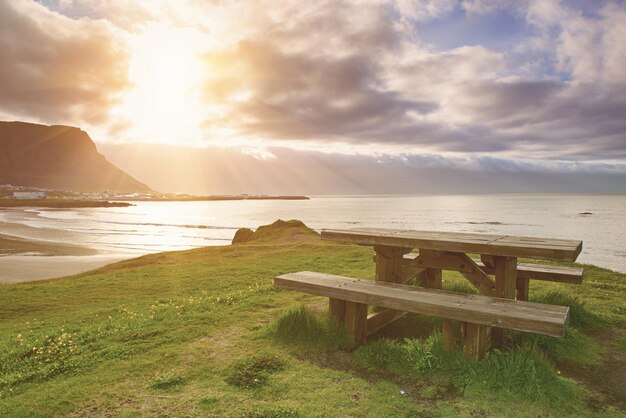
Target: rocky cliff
{"points": [[58, 157]]}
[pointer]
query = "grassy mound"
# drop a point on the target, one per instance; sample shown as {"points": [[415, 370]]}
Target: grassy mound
{"points": [[279, 231], [187, 333]]}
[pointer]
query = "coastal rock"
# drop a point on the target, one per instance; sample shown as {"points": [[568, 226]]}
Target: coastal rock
{"points": [[242, 235]]}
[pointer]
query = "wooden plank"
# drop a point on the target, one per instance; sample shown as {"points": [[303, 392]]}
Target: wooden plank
{"points": [[488, 244], [506, 281], [380, 319], [484, 310], [475, 341], [337, 310], [356, 322], [530, 271]]}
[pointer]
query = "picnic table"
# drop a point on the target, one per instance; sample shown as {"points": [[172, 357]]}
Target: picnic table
{"points": [[440, 250]]}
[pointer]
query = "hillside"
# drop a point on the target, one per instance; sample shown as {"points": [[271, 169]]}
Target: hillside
{"points": [[58, 157], [204, 333]]}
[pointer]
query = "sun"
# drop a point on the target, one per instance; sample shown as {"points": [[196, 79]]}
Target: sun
{"points": [[164, 104]]}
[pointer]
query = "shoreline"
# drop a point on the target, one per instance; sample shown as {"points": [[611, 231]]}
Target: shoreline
{"points": [[25, 260], [14, 245], [61, 203], [17, 269]]}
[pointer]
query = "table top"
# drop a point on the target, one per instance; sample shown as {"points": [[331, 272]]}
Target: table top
{"points": [[487, 244]]}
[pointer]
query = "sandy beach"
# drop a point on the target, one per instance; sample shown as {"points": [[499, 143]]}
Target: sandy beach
{"points": [[40, 253], [13, 245], [28, 268]]}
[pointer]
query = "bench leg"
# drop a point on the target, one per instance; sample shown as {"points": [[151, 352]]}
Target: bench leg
{"points": [[452, 334], [522, 289], [506, 281], [337, 310], [475, 340], [356, 322]]}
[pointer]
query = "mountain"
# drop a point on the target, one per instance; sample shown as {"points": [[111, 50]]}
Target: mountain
{"points": [[58, 157]]}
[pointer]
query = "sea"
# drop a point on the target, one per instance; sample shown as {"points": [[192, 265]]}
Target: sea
{"points": [[149, 227]]}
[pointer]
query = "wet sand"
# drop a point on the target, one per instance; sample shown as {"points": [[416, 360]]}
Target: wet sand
{"points": [[25, 258], [12, 245]]}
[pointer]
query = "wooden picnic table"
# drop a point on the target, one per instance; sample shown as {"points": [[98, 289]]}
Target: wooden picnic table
{"points": [[440, 250]]}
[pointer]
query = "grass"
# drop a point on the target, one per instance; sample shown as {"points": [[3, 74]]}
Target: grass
{"points": [[187, 333], [254, 371], [309, 330]]}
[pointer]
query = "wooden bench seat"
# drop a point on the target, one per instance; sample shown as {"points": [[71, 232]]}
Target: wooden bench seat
{"points": [[477, 271], [528, 271], [350, 297]]}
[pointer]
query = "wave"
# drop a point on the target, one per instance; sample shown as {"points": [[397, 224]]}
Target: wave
{"points": [[189, 226]]}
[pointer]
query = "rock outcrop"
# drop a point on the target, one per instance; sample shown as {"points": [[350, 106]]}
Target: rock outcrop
{"points": [[58, 157]]}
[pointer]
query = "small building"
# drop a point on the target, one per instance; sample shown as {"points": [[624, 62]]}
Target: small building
{"points": [[29, 195]]}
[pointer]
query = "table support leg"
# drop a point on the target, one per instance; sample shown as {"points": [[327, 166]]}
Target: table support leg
{"points": [[506, 282], [389, 263], [389, 268], [433, 277], [522, 289]]}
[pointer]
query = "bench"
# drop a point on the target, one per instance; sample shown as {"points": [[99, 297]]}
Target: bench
{"points": [[349, 299], [525, 271]]}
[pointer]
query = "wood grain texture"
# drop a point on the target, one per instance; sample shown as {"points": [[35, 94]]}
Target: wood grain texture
{"points": [[337, 310], [475, 341], [488, 244], [523, 316], [433, 276], [506, 282], [452, 333], [356, 322]]}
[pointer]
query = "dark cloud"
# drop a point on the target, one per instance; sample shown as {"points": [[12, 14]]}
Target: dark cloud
{"points": [[56, 69], [321, 78], [305, 96]]}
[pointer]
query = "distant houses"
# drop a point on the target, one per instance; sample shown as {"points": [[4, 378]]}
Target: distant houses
{"points": [[29, 195]]}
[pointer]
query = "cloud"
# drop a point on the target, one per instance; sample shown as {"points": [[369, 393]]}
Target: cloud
{"points": [[315, 80], [343, 75], [54, 68], [222, 171]]}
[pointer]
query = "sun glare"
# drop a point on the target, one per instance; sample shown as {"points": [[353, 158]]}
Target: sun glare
{"points": [[164, 104]]}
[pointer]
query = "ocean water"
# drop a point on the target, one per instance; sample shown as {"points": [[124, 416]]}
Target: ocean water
{"points": [[598, 220]]}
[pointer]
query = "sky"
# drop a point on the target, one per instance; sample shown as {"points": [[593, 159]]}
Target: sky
{"points": [[326, 97]]}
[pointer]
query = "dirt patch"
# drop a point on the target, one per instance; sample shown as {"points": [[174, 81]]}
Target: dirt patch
{"points": [[605, 381]]}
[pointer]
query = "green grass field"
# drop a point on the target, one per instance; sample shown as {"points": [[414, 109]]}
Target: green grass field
{"points": [[204, 333]]}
